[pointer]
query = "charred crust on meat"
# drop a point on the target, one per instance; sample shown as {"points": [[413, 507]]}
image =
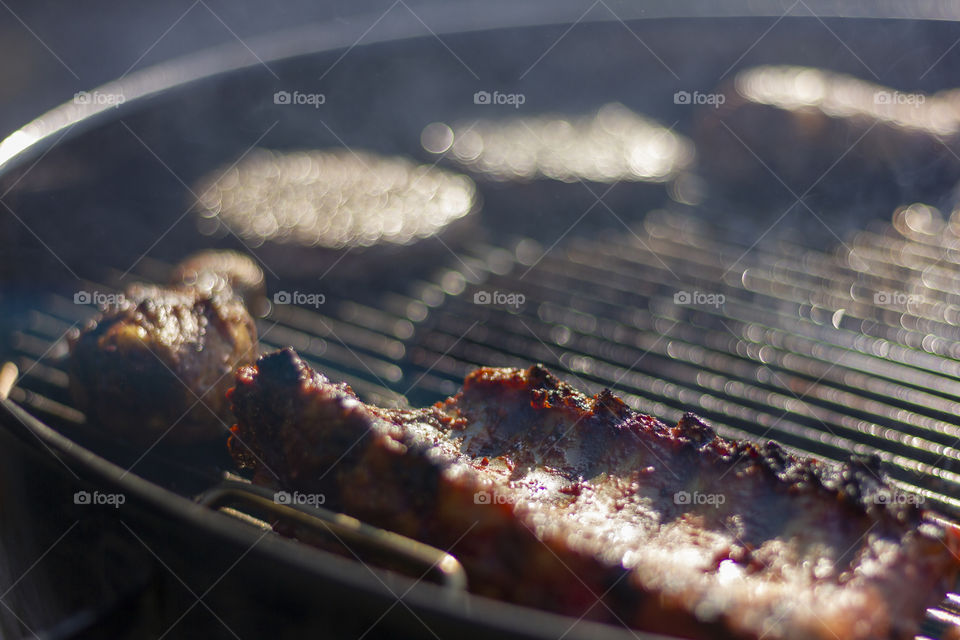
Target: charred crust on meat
{"points": [[283, 367], [692, 427], [545, 390], [860, 484], [539, 376], [863, 481], [607, 403]]}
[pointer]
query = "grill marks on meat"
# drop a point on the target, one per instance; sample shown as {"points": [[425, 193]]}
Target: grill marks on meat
{"points": [[138, 370], [554, 499]]}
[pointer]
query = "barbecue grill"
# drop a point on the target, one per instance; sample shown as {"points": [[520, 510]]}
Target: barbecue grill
{"points": [[831, 332]]}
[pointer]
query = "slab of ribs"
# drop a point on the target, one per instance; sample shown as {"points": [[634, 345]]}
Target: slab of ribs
{"points": [[580, 505]]}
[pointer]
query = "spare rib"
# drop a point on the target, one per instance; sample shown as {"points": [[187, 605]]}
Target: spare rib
{"points": [[581, 506]]}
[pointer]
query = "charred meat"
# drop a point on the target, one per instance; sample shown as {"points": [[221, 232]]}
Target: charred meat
{"points": [[157, 362], [579, 505]]}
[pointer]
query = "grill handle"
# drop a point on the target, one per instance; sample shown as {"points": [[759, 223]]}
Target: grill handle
{"points": [[309, 524]]}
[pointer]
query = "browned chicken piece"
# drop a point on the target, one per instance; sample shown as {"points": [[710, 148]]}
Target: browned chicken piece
{"points": [[157, 362], [579, 505]]}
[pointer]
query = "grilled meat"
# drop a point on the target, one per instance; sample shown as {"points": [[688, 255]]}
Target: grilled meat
{"points": [[579, 505], [158, 361]]}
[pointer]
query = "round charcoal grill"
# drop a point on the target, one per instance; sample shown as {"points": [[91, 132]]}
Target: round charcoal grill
{"points": [[830, 333]]}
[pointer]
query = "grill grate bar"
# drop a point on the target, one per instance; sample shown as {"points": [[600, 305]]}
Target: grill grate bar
{"points": [[829, 280], [376, 320], [314, 324], [44, 407], [331, 350], [791, 317], [856, 352]]}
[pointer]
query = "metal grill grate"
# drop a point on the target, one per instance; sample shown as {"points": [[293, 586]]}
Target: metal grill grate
{"points": [[800, 350]]}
